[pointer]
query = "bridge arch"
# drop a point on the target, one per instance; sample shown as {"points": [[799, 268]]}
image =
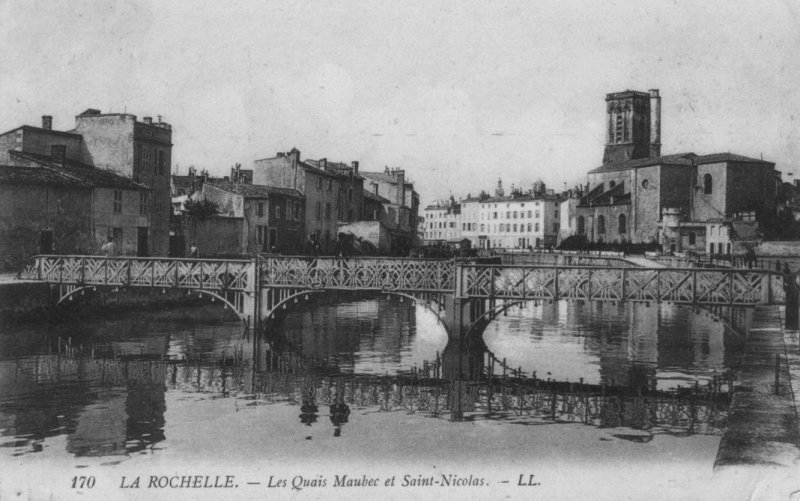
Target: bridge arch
{"points": [[69, 292], [274, 304]]}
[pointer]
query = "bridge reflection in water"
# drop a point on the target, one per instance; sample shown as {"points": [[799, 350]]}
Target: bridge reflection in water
{"points": [[333, 363]]}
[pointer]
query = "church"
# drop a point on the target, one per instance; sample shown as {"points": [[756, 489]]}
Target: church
{"points": [[686, 202]]}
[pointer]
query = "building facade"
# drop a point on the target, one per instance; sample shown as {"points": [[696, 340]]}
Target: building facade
{"points": [[521, 220], [121, 145]]}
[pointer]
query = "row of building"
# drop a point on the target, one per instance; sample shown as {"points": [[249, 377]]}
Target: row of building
{"points": [[110, 179], [290, 205], [713, 204]]}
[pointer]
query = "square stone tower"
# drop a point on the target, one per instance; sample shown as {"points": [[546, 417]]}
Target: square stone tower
{"points": [[633, 126]]}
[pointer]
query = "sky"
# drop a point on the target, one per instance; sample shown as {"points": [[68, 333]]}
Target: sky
{"points": [[458, 94]]}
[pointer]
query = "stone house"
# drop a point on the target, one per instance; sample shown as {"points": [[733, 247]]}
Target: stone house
{"points": [[65, 207], [319, 187], [117, 142], [272, 217]]}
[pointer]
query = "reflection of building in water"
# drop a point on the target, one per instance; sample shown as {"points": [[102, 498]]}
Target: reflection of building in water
{"points": [[103, 406], [623, 344]]}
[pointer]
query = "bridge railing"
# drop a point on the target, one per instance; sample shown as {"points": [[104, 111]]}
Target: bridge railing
{"points": [[686, 285], [370, 273], [145, 272]]}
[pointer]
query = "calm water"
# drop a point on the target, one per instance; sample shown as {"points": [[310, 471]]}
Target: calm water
{"points": [[340, 375]]}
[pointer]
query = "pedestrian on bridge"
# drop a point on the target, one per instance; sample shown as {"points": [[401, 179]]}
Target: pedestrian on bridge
{"points": [[109, 248]]}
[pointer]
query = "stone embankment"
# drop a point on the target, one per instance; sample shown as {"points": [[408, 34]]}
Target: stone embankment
{"points": [[25, 301], [762, 420]]}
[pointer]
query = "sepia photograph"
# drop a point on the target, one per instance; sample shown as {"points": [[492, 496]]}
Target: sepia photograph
{"points": [[329, 249]]}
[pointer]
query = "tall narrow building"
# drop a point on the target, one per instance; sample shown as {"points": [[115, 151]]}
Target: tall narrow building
{"points": [[633, 126]]}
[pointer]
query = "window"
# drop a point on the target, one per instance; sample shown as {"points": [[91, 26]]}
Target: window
{"points": [[142, 204], [692, 238], [482, 227], [556, 227], [508, 214], [117, 201], [537, 214], [601, 225], [259, 209], [277, 210], [623, 224], [330, 184], [515, 228], [644, 184], [319, 183], [530, 213], [288, 213], [146, 159], [494, 216], [515, 214], [530, 227], [581, 225], [260, 234], [162, 162], [536, 227], [328, 210], [707, 184], [350, 194]]}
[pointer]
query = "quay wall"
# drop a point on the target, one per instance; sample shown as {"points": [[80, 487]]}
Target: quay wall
{"points": [[24, 302]]}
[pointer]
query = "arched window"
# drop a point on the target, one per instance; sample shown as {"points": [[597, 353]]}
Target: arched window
{"points": [[601, 225], [623, 224], [581, 224], [611, 184], [707, 184], [692, 238]]}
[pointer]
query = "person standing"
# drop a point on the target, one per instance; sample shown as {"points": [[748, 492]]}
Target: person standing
{"points": [[194, 251], [109, 248]]}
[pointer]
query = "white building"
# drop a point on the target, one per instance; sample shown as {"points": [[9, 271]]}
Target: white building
{"points": [[518, 221], [442, 222]]}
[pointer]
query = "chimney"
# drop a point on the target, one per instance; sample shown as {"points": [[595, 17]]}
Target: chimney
{"points": [[159, 118], [323, 163], [400, 176], [47, 122], [355, 166], [294, 157], [655, 124], [58, 153], [148, 120]]}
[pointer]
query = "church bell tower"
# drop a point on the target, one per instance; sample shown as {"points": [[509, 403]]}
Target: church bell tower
{"points": [[633, 126]]}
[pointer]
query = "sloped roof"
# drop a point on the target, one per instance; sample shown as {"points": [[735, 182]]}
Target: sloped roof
{"points": [[11, 174], [41, 129], [727, 157], [380, 176], [678, 159], [254, 190], [376, 198], [98, 178]]}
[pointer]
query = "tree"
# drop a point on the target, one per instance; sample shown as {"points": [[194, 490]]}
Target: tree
{"points": [[200, 209]]}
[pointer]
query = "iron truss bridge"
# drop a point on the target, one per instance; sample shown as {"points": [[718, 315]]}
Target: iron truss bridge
{"points": [[260, 287]]}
